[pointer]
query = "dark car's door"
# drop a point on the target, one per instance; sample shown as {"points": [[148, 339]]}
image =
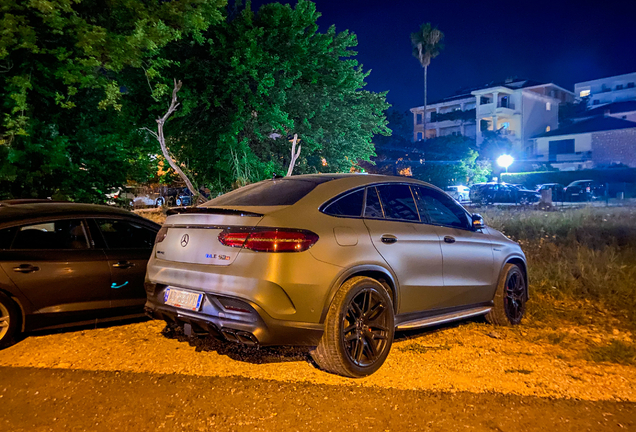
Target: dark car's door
{"points": [[467, 254], [128, 245], [410, 249], [53, 264]]}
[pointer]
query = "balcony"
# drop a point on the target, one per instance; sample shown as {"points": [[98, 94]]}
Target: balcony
{"points": [[504, 103], [460, 115]]}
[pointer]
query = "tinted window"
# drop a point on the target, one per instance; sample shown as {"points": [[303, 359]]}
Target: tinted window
{"points": [[282, 191], [398, 203], [64, 234], [348, 205], [123, 234], [6, 237], [441, 209], [373, 208]]}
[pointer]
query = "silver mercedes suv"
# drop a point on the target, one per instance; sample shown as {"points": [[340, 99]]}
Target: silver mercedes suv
{"points": [[337, 262]]}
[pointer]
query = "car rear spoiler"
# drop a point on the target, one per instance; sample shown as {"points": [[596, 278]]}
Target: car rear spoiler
{"points": [[212, 210]]}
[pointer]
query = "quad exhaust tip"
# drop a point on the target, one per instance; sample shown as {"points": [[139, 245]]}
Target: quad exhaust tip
{"points": [[240, 337]]}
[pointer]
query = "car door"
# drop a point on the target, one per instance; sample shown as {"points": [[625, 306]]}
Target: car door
{"points": [[467, 254], [128, 245], [54, 265], [413, 252]]}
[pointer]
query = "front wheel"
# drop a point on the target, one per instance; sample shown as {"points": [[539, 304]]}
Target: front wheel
{"points": [[359, 329], [9, 321], [510, 297], [179, 201], [160, 202]]}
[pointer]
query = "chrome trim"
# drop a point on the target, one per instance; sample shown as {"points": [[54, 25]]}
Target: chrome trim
{"points": [[441, 319]]}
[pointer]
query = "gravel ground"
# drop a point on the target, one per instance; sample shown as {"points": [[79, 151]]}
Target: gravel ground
{"points": [[469, 357]]}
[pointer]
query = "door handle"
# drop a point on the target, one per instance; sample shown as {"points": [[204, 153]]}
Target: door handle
{"points": [[25, 268], [123, 265], [388, 239], [449, 239]]}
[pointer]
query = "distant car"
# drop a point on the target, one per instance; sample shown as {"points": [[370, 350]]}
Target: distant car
{"points": [[491, 193], [65, 264], [557, 190], [185, 197], [331, 261], [136, 197], [583, 190], [459, 193]]}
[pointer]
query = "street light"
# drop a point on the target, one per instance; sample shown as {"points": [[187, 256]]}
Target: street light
{"points": [[505, 161]]}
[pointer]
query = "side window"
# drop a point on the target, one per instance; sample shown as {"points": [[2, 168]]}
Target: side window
{"points": [[123, 234], [397, 202], [441, 209], [348, 205], [62, 234], [373, 208], [6, 237]]}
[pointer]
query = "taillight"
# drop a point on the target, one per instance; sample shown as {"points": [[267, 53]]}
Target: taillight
{"points": [[269, 240], [161, 235], [587, 189]]}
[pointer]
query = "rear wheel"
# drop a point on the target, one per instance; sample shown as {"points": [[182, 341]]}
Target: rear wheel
{"points": [[510, 297], [179, 201], [9, 321], [359, 329], [160, 202]]}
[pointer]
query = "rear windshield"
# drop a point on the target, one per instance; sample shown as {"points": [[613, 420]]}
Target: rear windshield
{"points": [[275, 192]]}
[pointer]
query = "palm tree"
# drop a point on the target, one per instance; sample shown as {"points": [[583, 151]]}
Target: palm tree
{"points": [[426, 46]]}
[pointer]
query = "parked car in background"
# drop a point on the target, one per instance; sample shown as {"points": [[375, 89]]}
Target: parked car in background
{"points": [[136, 197], [185, 197], [64, 264], [558, 190], [492, 193], [459, 193], [332, 261], [583, 190]]}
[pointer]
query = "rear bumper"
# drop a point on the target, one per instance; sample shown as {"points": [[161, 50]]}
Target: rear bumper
{"points": [[233, 319]]}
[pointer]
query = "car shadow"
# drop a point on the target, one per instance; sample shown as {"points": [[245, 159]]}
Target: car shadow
{"points": [[71, 328]]}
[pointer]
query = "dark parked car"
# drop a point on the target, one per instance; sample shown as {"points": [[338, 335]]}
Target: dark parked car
{"points": [[65, 263], [558, 190], [335, 262], [491, 193], [584, 190]]}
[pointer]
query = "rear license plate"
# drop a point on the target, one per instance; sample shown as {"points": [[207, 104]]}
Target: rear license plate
{"points": [[182, 299]]}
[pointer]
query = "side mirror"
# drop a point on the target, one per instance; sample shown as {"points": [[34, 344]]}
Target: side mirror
{"points": [[478, 221]]}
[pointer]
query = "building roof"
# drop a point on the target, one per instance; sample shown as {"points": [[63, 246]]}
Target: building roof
{"points": [[595, 124], [614, 108]]}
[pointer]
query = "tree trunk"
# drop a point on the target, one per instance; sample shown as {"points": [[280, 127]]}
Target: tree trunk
{"points": [[294, 155], [425, 88]]}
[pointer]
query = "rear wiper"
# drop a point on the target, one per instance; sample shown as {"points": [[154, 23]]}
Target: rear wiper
{"points": [[211, 210]]}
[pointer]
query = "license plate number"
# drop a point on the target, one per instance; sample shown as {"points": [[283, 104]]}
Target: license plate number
{"points": [[183, 299]]}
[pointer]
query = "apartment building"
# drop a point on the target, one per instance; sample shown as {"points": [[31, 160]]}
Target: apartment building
{"points": [[603, 91]]}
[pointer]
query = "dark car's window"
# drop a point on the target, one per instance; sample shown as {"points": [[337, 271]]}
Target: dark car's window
{"points": [[373, 208], [61, 234], [6, 237], [123, 234], [281, 191], [397, 202], [348, 205], [441, 209]]}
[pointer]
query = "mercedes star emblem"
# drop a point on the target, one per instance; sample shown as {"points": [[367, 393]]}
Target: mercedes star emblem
{"points": [[184, 240]]}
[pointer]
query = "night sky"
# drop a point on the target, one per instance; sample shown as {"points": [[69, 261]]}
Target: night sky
{"points": [[560, 41]]}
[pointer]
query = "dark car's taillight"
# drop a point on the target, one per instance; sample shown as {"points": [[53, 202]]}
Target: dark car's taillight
{"points": [[269, 240], [161, 235]]}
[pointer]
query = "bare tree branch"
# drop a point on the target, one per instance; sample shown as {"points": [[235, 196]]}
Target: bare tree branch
{"points": [[294, 155]]}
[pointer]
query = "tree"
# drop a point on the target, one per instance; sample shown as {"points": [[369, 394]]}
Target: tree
{"points": [[68, 122], [427, 45], [450, 160]]}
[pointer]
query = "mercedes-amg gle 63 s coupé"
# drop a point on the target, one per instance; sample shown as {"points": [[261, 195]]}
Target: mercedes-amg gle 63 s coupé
{"points": [[337, 262]]}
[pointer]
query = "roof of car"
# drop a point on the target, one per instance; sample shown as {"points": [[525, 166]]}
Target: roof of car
{"points": [[13, 210]]}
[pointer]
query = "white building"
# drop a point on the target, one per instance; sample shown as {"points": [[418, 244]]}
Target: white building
{"points": [[518, 109], [607, 90]]}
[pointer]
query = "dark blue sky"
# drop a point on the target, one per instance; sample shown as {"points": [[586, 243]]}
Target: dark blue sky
{"points": [[559, 41]]}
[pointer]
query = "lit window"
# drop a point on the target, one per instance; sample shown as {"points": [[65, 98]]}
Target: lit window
{"points": [[584, 93], [547, 128], [548, 105]]}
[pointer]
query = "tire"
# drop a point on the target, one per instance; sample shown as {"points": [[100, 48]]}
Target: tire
{"points": [[178, 201], [510, 297], [9, 321], [160, 202], [357, 300], [524, 201]]}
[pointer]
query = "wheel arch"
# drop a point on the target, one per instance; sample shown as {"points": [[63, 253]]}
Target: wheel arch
{"points": [[379, 273], [18, 303], [523, 266]]}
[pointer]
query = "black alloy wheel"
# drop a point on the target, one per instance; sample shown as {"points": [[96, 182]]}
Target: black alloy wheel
{"points": [[365, 328], [515, 297]]}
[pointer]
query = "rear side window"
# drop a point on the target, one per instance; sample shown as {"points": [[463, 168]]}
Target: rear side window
{"points": [[123, 234], [398, 202], [62, 234], [281, 191], [441, 209], [348, 205], [6, 237]]}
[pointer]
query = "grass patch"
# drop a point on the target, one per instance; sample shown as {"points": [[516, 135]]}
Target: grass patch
{"points": [[614, 352], [422, 349], [521, 371]]}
